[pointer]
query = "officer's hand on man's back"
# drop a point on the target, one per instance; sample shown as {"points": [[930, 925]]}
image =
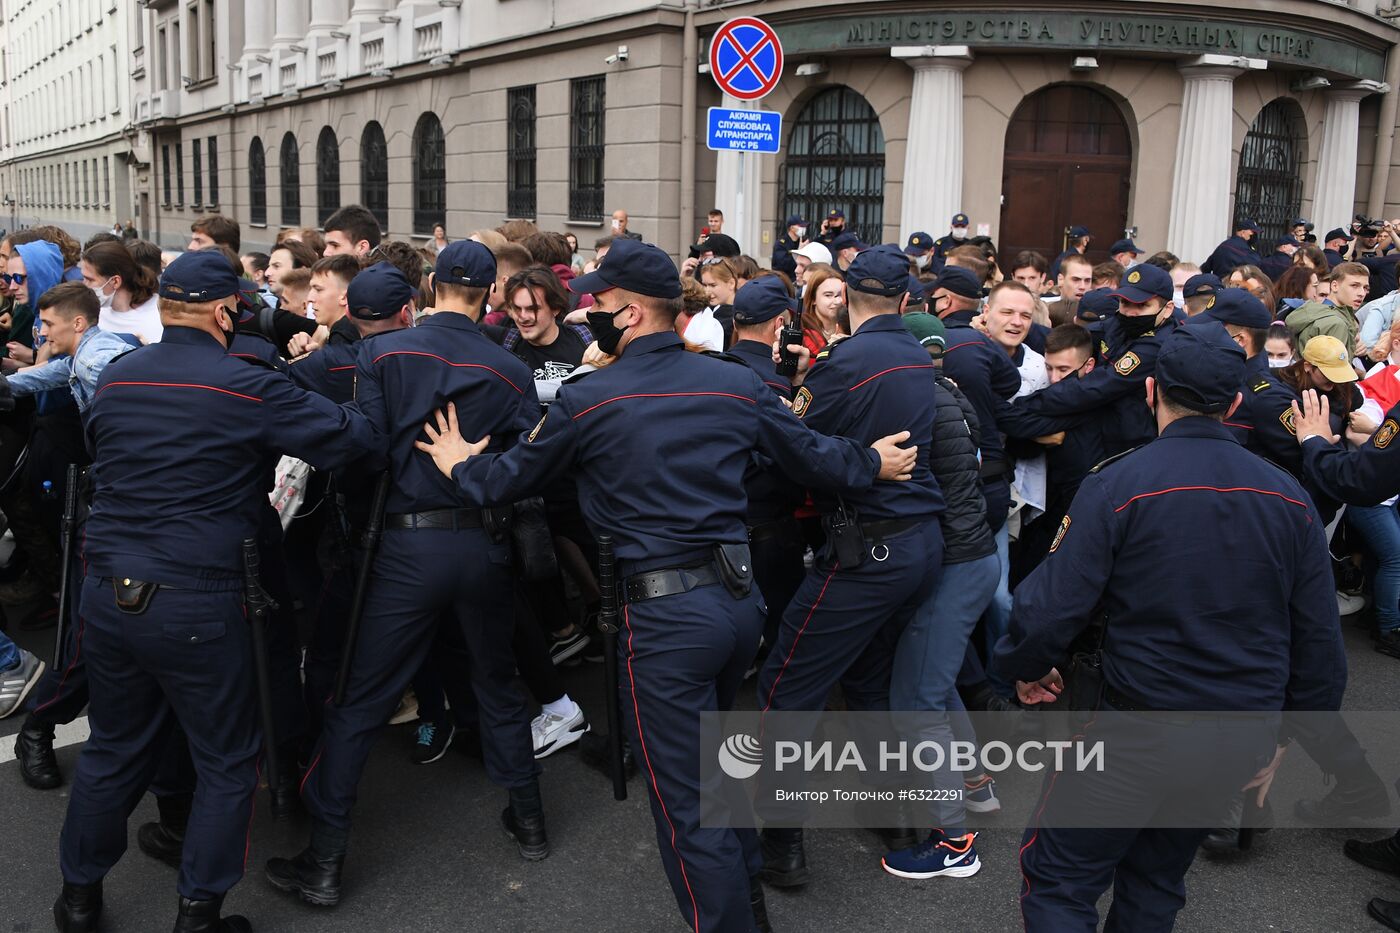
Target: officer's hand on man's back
{"points": [[896, 463]]}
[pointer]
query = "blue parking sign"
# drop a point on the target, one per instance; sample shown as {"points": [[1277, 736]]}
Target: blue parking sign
{"points": [[743, 130]]}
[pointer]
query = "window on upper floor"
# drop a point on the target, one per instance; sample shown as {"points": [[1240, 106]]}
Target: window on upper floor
{"points": [[213, 153], [586, 116], [290, 169], [374, 173], [197, 173], [179, 174], [327, 175], [429, 175], [165, 173], [520, 152], [257, 183]]}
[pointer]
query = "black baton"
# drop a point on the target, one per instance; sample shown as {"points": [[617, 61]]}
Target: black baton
{"points": [[65, 574], [373, 532], [607, 624], [259, 605]]}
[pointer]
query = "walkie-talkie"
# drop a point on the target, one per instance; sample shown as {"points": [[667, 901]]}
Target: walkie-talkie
{"points": [[790, 334]]}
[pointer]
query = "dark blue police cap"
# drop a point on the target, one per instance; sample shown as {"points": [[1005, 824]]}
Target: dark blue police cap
{"points": [[916, 288], [846, 241], [381, 291], [1097, 304], [880, 270], [635, 266], [1237, 306], [761, 300], [957, 280], [198, 276], [918, 244], [1200, 368], [835, 214], [796, 220], [1144, 282], [1077, 232], [1201, 284], [1337, 234], [1124, 246], [465, 262], [1247, 223], [1299, 222], [959, 220]]}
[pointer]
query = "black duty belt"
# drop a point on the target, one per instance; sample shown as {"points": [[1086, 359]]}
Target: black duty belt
{"points": [[443, 519], [785, 527], [657, 583]]}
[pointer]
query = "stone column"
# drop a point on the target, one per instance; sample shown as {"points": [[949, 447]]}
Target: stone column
{"points": [[257, 29], [327, 15], [1200, 213], [369, 9], [292, 20], [1334, 200], [739, 193], [933, 156]]}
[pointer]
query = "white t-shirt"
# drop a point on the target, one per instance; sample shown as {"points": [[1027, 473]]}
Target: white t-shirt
{"points": [[142, 321]]}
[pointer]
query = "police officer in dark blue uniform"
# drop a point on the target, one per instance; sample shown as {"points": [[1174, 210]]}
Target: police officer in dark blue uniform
{"points": [[661, 439], [1236, 250], [833, 225], [1079, 239], [1127, 354], [1142, 549], [955, 237], [884, 545], [176, 492], [793, 236], [438, 555], [1276, 263]]}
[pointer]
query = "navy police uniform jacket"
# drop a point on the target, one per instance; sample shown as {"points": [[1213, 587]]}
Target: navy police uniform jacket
{"points": [[1210, 570], [771, 494], [1263, 422], [405, 376], [1233, 252], [255, 347], [1368, 475], [985, 374], [660, 440], [876, 382], [1275, 265], [181, 431], [782, 255]]}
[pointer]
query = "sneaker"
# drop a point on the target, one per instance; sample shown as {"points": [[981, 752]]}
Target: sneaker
{"points": [[1347, 603], [407, 711], [433, 741], [564, 647], [1388, 642], [551, 733], [16, 682], [936, 856], [981, 796]]}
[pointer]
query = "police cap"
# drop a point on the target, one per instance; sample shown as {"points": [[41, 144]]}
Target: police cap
{"points": [[957, 280], [1237, 306], [1202, 284], [919, 243], [1144, 282], [1200, 368], [1124, 246], [959, 220], [198, 276], [761, 300], [465, 262], [635, 266], [381, 291], [835, 214], [1097, 304], [846, 241], [1337, 234], [880, 270], [1076, 232]]}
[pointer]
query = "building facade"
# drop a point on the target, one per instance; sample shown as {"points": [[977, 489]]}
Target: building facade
{"points": [[1166, 119]]}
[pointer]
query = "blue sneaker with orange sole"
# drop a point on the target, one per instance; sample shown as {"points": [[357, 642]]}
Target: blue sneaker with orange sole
{"points": [[937, 856]]}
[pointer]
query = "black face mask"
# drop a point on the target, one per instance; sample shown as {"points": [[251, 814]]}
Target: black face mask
{"points": [[608, 334], [1135, 326], [228, 334]]}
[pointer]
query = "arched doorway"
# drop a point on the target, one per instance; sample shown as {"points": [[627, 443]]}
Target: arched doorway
{"points": [[1068, 161], [836, 159], [1269, 186]]}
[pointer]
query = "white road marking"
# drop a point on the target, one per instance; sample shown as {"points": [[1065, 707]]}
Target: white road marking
{"points": [[71, 733]]}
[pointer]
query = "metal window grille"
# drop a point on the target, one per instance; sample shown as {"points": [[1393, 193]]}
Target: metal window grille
{"points": [[586, 142], [1269, 187], [836, 159], [197, 163], [212, 149], [374, 173], [520, 153], [257, 183], [327, 175], [165, 173], [429, 175], [290, 173]]}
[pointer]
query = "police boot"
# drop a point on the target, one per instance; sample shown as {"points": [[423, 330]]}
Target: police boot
{"points": [[77, 908], [1382, 854], [203, 917], [37, 763], [314, 874], [165, 840], [760, 907], [286, 792], [1385, 912], [523, 820], [784, 859], [1357, 796]]}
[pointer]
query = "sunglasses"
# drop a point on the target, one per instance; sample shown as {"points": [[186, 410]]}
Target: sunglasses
{"points": [[18, 278]]}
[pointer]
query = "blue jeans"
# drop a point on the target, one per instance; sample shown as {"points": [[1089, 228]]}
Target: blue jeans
{"points": [[9, 653], [926, 664], [1380, 526], [998, 613]]}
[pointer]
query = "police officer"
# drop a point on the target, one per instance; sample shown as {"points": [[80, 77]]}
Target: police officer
{"points": [[955, 237], [661, 439], [165, 636], [1333, 244], [884, 545], [833, 226], [1196, 292], [794, 235], [438, 556], [920, 250], [1077, 244], [1142, 548], [1236, 250]]}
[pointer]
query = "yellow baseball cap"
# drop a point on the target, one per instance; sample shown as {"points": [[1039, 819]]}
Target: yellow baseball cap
{"points": [[1329, 355]]}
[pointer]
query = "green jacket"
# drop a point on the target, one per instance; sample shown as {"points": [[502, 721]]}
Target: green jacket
{"points": [[1314, 318]]}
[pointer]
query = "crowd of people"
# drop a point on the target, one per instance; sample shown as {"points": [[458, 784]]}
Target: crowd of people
{"points": [[913, 501]]}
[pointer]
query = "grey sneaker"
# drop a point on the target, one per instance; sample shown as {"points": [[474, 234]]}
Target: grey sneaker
{"points": [[16, 683]]}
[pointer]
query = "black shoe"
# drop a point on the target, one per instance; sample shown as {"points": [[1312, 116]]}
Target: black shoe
{"points": [[37, 763], [77, 908], [203, 917], [1385, 912], [523, 820], [1382, 855], [165, 840], [784, 859], [759, 906], [1228, 839], [1353, 798], [897, 833], [433, 742], [596, 752], [1389, 642], [314, 874]]}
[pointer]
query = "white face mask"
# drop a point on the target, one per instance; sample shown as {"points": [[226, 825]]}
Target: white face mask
{"points": [[1179, 298], [617, 226], [1279, 364], [923, 261], [310, 309], [802, 233], [959, 233], [104, 300]]}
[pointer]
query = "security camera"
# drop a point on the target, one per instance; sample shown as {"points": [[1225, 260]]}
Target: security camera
{"points": [[619, 56]]}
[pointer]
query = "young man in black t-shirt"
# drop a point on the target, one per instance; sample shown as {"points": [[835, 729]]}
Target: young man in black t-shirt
{"points": [[537, 303]]}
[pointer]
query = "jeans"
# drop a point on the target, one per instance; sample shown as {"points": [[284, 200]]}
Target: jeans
{"points": [[1380, 526], [9, 653], [998, 614], [926, 665]]}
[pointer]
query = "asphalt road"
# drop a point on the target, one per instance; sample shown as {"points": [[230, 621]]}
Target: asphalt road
{"points": [[427, 854]]}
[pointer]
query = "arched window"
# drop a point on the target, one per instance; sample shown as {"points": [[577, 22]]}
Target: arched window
{"points": [[374, 173], [327, 175], [291, 182], [1269, 187], [257, 183], [429, 175], [836, 159]]}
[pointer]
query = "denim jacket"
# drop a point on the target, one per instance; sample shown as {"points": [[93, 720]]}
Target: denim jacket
{"points": [[79, 372]]}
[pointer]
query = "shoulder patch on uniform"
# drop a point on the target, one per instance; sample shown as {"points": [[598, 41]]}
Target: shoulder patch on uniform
{"points": [[1113, 459], [801, 401], [823, 353], [1060, 534], [536, 432], [1261, 384], [1210, 303], [1385, 433], [1126, 364], [1103, 347], [1286, 419]]}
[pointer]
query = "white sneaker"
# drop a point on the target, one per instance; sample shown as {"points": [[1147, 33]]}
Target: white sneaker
{"points": [[407, 711], [16, 683], [551, 733], [1348, 604]]}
